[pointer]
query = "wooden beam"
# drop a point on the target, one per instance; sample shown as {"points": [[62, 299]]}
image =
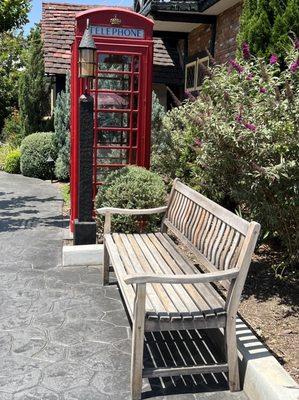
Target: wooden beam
{"points": [[177, 371], [155, 6], [184, 17], [171, 35]]}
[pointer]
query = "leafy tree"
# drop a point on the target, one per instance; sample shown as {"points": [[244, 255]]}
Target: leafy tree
{"points": [[33, 91], [266, 26], [10, 65], [62, 132], [13, 14]]}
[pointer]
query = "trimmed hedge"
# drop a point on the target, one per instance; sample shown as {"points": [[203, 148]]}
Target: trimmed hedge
{"points": [[132, 187], [12, 162], [35, 150]]}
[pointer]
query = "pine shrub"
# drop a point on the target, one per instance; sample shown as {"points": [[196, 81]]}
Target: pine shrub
{"points": [[62, 133], [35, 150], [161, 140], [34, 99], [12, 162], [132, 187], [268, 25]]}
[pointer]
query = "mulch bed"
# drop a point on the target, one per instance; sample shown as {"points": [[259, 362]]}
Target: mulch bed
{"points": [[271, 306]]}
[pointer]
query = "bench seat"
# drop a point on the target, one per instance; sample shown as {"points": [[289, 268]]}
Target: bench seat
{"points": [[196, 305]]}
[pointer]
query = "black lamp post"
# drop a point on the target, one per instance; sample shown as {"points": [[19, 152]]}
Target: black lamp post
{"points": [[85, 226], [51, 163]]}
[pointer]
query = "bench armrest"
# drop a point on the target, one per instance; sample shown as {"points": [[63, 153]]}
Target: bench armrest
{"points": [[129, 211], [182, 279]]}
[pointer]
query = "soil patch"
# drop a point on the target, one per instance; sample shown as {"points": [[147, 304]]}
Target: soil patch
{"points": [[270, 305]]}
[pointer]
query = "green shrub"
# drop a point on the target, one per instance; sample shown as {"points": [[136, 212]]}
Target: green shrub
{"points": [[12, 162], [35, 150], [132, 187], [161, 141], [12, 130], [238, 144], [5, 149], [62, 133]]}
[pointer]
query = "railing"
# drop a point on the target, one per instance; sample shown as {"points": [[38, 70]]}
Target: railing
{"points": [[171, 5]]}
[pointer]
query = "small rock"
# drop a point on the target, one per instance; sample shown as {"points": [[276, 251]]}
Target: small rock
{"points": [[287, 331]]}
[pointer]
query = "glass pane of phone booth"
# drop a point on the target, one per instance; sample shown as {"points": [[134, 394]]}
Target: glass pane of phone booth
{"points": [[116, 100]]}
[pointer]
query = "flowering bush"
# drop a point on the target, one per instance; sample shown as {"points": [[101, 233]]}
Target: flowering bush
{"points": [[238, 142]]}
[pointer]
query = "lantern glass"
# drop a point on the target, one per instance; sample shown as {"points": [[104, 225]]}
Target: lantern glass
{"points": [[87, 63]]}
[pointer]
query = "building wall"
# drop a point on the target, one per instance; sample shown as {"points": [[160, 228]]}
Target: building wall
{"points": [[226, 34], [199, 39]]}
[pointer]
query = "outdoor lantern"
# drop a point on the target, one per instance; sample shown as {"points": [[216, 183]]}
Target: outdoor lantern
{"points": [[87, 55], [51, 164]]}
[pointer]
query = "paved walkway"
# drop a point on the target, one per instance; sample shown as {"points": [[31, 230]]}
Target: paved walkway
{"points": [[63, 336]]}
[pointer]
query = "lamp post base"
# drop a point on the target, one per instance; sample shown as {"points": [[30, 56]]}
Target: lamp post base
{"points": [[84, 232]]}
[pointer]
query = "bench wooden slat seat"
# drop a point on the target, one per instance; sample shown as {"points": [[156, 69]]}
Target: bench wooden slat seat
{"points": [[197, 306], [163, 290]]}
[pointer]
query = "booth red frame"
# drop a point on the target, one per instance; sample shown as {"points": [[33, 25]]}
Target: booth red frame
{"points": [[142, 48]]}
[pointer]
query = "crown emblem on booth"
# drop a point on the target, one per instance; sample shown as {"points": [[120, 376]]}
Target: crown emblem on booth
{"points": [[115, 20]]}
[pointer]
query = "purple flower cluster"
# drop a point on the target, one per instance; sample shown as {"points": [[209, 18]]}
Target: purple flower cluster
{"points": [[249, 77], [198, 142], [239, 118], [236, 66], [246, 51], [263, 90], [249, 126], [273, 59], [294, 66]]}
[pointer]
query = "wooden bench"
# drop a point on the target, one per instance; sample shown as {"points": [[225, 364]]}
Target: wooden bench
{"points": [[163, 290]]}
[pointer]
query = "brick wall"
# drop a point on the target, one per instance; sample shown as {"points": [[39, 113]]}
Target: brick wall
{"points": [[199, 39], [226, 34]]}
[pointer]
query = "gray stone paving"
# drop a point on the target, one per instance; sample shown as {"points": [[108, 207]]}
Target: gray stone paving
{"points": [[62, 335]]}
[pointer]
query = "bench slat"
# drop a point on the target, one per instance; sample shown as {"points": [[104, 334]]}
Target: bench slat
{"points": [[209, 300], [120, 271], [160, 290], [186, 289], [176, 305], [202, 260], [168, 266], [220, 212], [150, 289], [131, 268]]}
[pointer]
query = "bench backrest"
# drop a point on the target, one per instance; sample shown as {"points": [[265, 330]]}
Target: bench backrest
{"points": [[214, 233]]}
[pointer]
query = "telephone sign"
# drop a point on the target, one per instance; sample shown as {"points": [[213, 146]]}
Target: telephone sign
{"points": [[127, 33]]}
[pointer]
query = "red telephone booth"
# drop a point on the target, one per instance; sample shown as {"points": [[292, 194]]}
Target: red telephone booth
{"points": [[121, 89]]}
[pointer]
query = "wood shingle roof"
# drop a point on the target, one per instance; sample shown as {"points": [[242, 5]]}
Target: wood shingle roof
{"points": [[58, 29]]}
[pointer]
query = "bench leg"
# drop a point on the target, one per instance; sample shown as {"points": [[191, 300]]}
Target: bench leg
{"points": [[106, 263], [138, 342], [232, 356]]}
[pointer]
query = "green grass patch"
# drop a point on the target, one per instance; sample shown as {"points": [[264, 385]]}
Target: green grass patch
{"points": [[66, 195]]}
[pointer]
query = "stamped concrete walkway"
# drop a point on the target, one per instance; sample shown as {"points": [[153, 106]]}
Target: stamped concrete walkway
{"points": [[63, 336]]}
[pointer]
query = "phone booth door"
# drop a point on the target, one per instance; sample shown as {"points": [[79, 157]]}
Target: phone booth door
{"points": [[119, 92]]}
